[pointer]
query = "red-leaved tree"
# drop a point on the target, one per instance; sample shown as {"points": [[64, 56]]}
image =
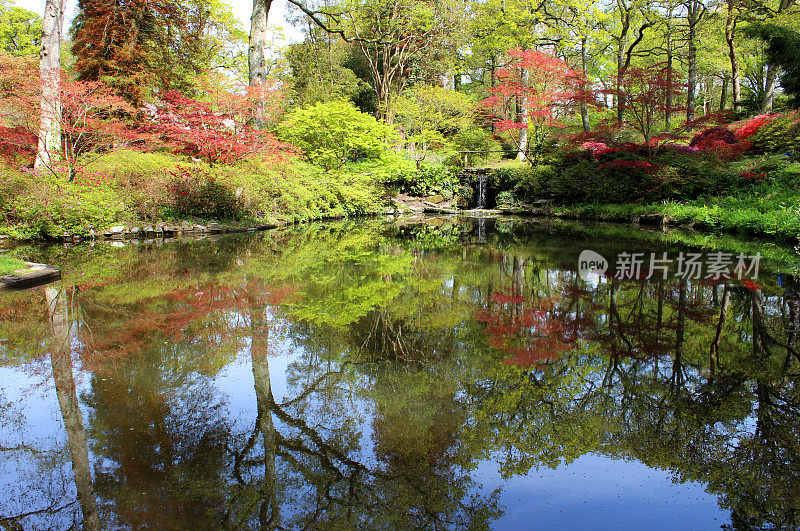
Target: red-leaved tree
{"points": [[647, 93], [221, 129], [532, 89], [92, 118]]}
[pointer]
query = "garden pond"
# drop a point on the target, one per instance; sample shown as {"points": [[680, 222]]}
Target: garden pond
{"points": [[436, 373]]}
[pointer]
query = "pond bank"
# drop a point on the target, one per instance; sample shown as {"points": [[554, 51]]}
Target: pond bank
{"points": [[711, 215]]}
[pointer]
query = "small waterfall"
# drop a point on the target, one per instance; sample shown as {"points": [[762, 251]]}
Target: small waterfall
{"points": [[482, 191]]}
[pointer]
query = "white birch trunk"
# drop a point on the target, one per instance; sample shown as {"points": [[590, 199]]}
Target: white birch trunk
{"points": [[49, 148], [257, 53]]}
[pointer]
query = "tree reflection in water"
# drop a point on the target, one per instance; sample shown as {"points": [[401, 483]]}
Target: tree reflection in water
{"points": [[417, 352]]}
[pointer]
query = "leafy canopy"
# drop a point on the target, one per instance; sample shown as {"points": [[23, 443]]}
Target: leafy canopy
{"points": [[20, 30]]}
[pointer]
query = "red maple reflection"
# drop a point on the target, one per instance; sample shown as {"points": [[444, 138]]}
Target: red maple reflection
{"points": [[530, 332]]}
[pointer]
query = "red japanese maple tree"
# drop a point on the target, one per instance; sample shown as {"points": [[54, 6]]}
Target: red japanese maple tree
{"points": [[646, 92], [92, 119], [221, 129], [540, 84]]}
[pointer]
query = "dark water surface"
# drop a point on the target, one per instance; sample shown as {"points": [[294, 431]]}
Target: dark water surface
{"points": [[437, 374]]}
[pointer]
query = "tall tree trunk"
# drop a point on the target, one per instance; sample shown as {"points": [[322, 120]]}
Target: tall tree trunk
{"points": [[492, 69], [49, 148], [772, 70], [693, 15], [730, 39], [769, 88], [584, 109], [257, 53], [522, 117], [723, 95], [670, 75], [61, 362], [620, 76]]}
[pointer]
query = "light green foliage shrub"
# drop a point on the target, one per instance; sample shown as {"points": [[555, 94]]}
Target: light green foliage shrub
{"points": [[48, 204], [390, 167], [430, 179], [508, 198], [474, 139], [331, 134], [534, 182], [295, 190], [143, 178]]}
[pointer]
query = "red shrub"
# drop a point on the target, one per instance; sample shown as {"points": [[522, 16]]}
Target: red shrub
{"points": [[17, 143], [756, 123], [219, 133], [713, 136]]}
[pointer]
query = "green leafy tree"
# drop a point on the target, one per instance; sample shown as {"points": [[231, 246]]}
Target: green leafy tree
{"points": [[781, 51], [319, 69], [428, 115], [20, 30]]}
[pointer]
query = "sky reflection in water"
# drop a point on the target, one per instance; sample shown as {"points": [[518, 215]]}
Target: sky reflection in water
{"points": [[439, 374]]}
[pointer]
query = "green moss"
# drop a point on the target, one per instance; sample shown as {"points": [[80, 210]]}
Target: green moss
{"points": [[9, 264]]}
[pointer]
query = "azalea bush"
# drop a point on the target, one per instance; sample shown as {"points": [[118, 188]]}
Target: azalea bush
{"points": [[780, 135]]}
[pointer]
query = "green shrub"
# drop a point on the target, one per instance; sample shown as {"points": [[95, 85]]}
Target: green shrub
{"points": [[298, 191], [535, 182], [575, 183], [199, 194], [430, 179], [333, 133], [782, 135], [474, 139], [12, 185], [507, 198], [142, 178], [50, 205], [389, 167]]}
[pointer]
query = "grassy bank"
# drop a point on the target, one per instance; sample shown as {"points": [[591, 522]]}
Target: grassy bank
{"points": [[133, 186], [9, 264], [774, 216]]}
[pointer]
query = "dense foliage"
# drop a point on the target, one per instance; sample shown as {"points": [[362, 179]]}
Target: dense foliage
{"points": [[334, 133], [633, 103]]}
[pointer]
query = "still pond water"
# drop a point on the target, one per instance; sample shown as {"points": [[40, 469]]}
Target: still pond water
{"points": [[434, 374]]}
